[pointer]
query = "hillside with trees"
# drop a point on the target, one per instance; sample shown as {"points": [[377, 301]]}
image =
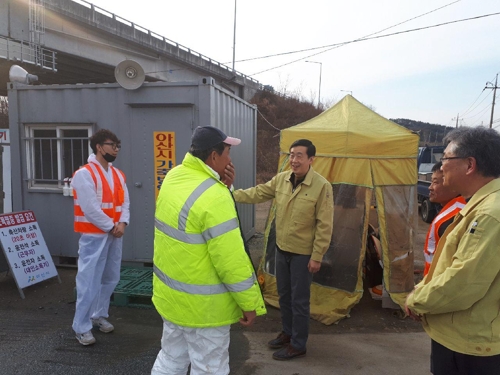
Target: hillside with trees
{"points": [[430, 134], [276, 112], [4, 113]]}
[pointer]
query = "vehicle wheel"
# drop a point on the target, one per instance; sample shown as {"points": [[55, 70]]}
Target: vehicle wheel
{"points": [[427, 211]]}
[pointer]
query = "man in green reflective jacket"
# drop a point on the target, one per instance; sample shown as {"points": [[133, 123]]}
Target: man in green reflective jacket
{"points": [[203, 279]]}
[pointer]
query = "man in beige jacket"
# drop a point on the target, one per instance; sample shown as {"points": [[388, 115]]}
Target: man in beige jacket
{"points": [[304, 222], [459, 299]]}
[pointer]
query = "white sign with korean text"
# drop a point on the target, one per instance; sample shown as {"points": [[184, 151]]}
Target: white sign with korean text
{"points": [[4, 136], [25, 249]]}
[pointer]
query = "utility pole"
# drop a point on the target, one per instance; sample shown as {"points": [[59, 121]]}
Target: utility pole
{"points": [[456, 126], [234, 35], [494, 88], [320, 70]]}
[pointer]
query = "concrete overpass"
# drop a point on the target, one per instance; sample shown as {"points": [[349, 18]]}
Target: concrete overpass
{"points": [[65, 41]]}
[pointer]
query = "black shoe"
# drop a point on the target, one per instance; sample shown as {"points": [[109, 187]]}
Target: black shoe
{"points": [[280, 341], [287, 353]]}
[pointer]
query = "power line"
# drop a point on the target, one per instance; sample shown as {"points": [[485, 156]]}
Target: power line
{"points": [[482, 91], [478, 104], [332, 46], [480, 113], [474, 102], [265, 119], [340, 44]]}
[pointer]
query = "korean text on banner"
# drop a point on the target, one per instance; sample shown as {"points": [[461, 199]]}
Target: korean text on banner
{"points": [[25, 248], [164, 149]]}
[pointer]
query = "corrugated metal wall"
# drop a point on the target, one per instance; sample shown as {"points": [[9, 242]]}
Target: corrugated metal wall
{"points": [[133, 116], [240, 121]]}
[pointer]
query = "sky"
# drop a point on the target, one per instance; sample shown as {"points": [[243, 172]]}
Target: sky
{"points": [[431, 75]]}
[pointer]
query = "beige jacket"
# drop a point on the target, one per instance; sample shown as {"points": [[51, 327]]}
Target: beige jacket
{"points": [[304, 218], [460, 297]]}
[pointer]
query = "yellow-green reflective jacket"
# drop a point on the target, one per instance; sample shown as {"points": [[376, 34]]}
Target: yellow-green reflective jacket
{"points": [[202, 275]]}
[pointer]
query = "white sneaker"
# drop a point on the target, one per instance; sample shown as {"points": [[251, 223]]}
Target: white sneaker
{"points": [[86, 338], [103, 325]]}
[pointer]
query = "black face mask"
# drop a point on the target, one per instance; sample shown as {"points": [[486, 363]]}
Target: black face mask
{"points": [[109, 158]]}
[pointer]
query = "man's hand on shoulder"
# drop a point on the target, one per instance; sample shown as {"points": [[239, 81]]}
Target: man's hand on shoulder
{"points": [[313, 266], [248, 318]]}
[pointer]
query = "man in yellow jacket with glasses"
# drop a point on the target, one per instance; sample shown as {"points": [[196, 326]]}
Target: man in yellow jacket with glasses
{"points": [[304, 224], [458, 301], [203, 279]]}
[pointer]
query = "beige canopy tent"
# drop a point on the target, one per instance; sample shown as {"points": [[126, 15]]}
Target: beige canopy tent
{"points": [[371, 163]]}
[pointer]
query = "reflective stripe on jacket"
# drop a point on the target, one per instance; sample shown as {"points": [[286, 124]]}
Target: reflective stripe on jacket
{"points": [[448, 212], [110, 201], [202, 275]]}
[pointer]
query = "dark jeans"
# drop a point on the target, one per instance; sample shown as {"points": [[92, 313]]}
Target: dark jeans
{"points": [[447, 362], [294, 289]]}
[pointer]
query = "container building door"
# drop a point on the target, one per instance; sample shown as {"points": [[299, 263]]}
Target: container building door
{"points": [[145, 156]]}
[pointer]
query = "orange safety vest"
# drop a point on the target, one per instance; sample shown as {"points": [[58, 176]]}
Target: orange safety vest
{"points": [[448, 212], [111, 202]]}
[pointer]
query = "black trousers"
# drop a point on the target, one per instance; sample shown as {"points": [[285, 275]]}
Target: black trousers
{"points": [[447, 362], [294, 288]]}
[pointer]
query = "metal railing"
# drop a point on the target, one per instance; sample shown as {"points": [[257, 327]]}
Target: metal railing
{"points": [[97, 11], [19, 50]]}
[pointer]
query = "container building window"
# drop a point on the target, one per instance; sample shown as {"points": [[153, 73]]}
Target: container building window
{"points": [[55, 152]]}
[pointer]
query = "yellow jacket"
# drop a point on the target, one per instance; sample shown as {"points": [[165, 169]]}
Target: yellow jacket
{"points": [[202, 275], [304, 218], [460, 297]]}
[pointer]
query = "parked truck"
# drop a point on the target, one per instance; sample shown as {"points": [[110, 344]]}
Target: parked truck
{"points": [[427, 157]]}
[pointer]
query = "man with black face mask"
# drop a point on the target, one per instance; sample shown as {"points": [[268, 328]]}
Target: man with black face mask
{"points": [[101, 215]]}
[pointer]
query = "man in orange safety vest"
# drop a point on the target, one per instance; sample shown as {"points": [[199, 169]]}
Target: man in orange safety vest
{"points": [[101, 215], [451, 204]]}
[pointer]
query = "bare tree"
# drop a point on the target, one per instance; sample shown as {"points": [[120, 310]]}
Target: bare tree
{"points": [[4, 112]]}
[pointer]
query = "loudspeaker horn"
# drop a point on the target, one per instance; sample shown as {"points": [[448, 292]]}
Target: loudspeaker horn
{"points": [[18, 74], [129, 74]]}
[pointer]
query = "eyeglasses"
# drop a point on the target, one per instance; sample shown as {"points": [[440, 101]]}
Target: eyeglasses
{"points": [[113, 145], [296, 157], [452, 157]]}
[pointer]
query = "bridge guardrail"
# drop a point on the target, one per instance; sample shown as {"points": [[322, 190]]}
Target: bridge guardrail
{"points": [[96, 9], [19, 50]]}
